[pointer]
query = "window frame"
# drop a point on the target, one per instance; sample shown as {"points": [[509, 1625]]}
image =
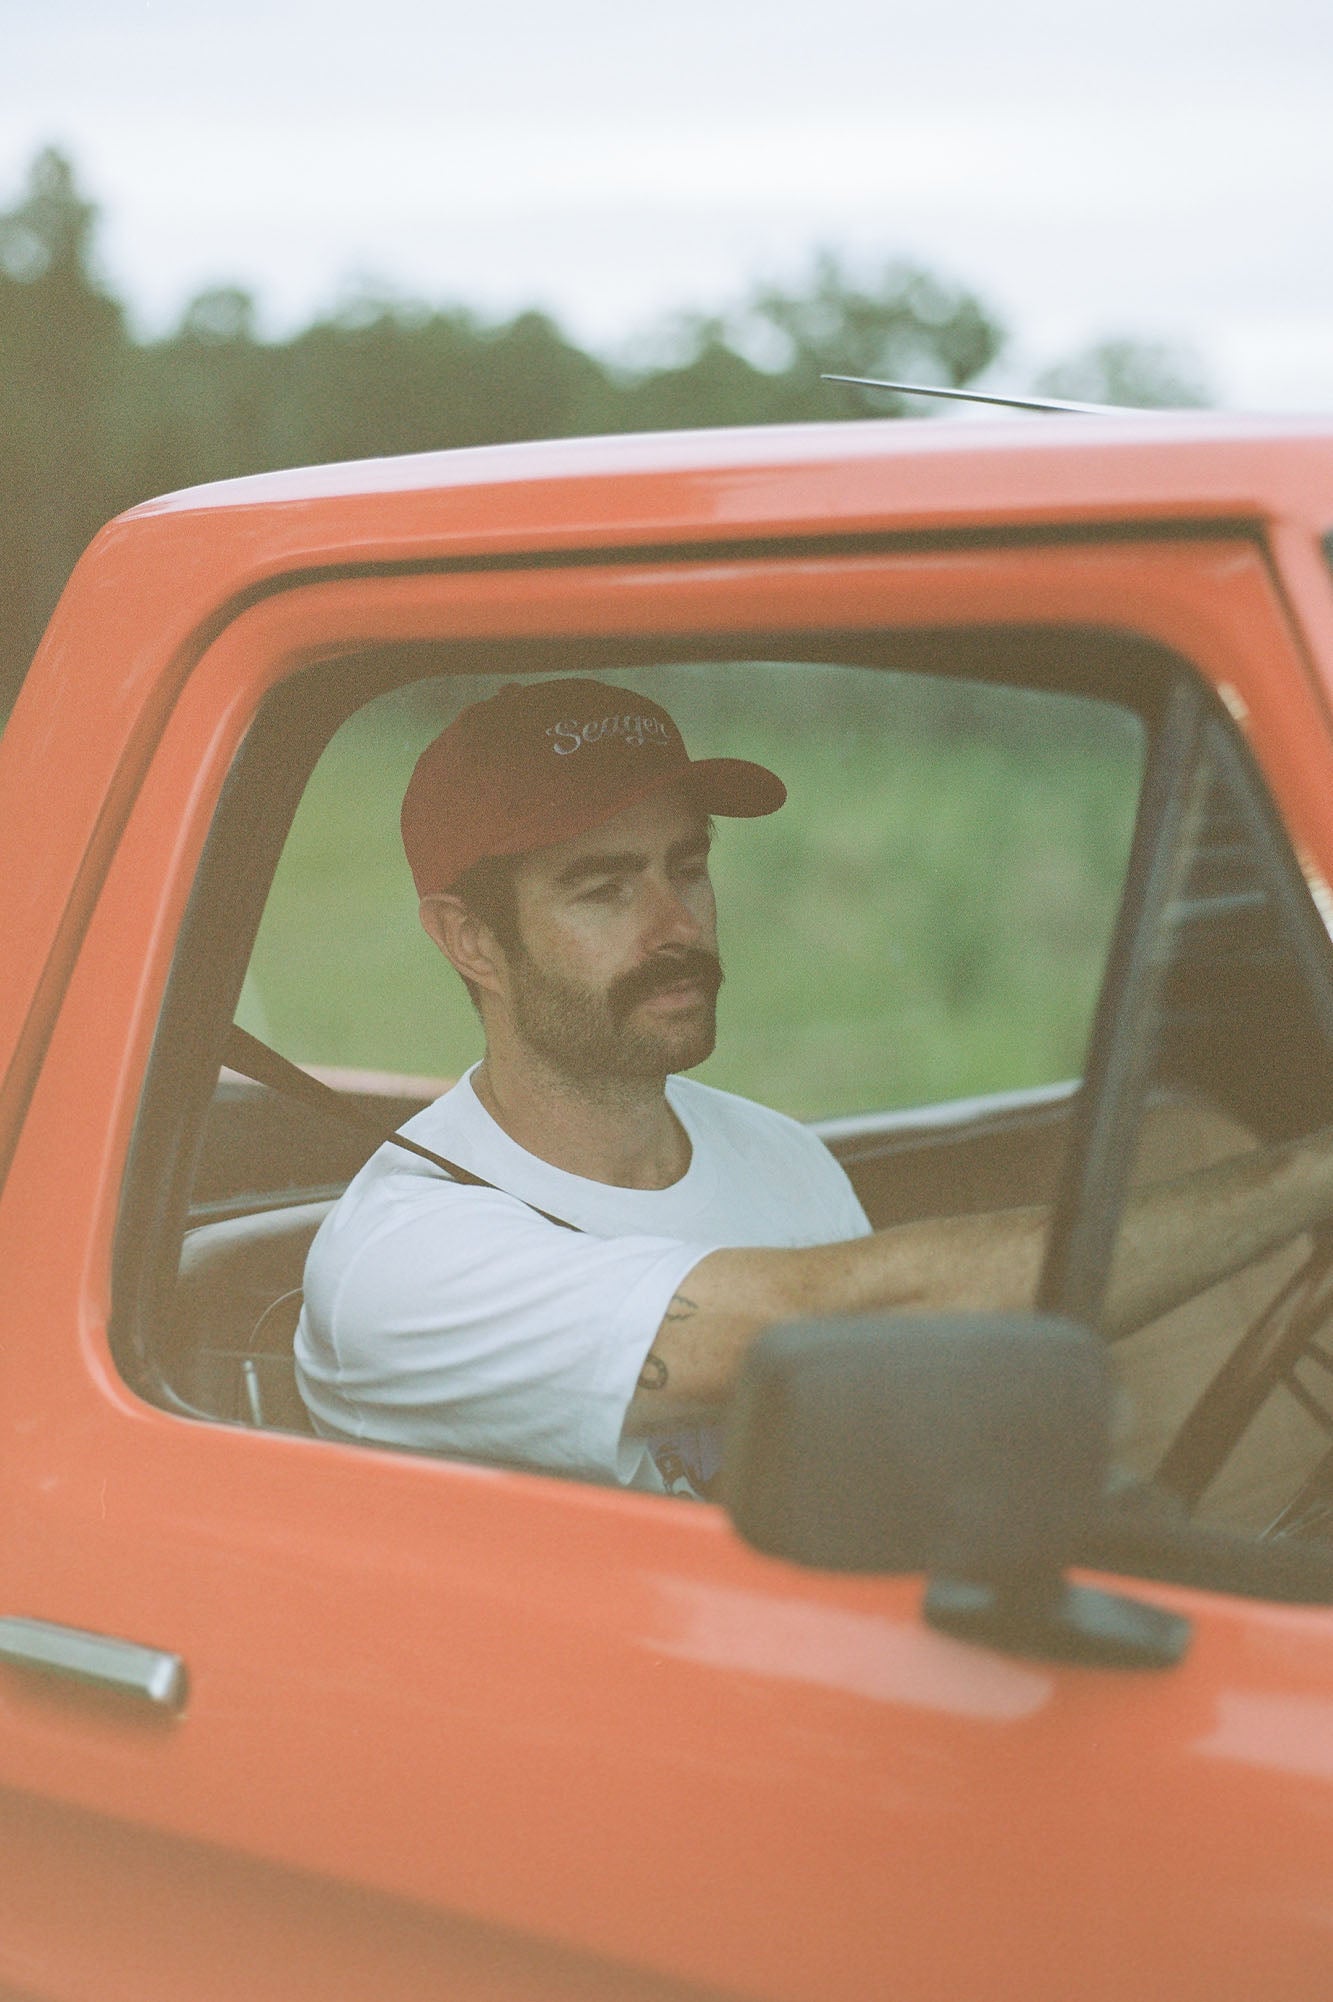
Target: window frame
{"points": [[1145, 1541]]}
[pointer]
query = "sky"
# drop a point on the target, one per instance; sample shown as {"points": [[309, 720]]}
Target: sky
{"points": [[1161, 169]]}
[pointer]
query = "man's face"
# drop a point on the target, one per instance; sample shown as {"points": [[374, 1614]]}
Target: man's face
{"points": [[617, 971]]}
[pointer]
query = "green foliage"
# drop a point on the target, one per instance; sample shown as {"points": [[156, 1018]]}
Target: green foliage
{"points": [[62, 352], [92, 421], [910, 326]]}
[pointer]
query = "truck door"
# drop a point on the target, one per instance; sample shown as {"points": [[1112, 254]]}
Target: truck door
{"points": [[379, 1722]]}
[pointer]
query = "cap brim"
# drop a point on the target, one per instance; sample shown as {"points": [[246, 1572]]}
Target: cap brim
{"points": [[736, 788]]}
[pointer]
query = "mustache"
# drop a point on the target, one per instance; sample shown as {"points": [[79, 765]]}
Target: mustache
{"points": [[664, 970]]}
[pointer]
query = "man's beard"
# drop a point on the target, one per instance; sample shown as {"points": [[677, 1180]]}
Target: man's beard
{"points": [[589, 1036]]}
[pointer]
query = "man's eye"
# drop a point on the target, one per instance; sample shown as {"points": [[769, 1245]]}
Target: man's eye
{"points": [[604, 893]]}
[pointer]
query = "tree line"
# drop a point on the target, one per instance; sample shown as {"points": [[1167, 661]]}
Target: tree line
{"points": [[93, 420]]}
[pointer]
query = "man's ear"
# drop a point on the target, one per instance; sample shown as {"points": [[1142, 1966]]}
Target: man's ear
{"points": [[468, 944]]}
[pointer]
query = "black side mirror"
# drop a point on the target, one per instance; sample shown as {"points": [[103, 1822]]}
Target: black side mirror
{"points": [[973, 1448]]}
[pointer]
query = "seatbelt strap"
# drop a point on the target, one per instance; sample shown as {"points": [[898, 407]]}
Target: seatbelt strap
{"points": [[252, 1059]]}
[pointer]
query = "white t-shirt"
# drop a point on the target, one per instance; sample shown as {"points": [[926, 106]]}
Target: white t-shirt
{"points": [[455, 1320]]}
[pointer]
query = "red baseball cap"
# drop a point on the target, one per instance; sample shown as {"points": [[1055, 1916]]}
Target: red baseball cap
{"points": [[543, 761]]}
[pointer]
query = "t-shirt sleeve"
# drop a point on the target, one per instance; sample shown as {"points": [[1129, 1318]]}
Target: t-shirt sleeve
{"points": [[828, 1210], [463, 1323], [846, 1215]]}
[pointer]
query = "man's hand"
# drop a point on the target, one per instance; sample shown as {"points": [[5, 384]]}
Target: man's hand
{"points": [[1182, 1236]]}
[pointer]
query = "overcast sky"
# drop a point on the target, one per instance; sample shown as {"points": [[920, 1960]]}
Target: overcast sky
{"points": [[1161, 168]]}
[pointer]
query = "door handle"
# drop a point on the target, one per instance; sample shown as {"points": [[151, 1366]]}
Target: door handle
{"points": [[97, 1660]]}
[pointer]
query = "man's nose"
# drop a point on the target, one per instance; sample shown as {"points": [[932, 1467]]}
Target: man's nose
{"points": [[670, 919]]}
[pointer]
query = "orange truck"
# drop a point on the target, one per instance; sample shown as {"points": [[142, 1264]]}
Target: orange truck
{"points": [[1003, 1666]]}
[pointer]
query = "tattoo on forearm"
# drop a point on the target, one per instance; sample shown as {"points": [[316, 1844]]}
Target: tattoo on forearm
{"points": [[653, 1375]]}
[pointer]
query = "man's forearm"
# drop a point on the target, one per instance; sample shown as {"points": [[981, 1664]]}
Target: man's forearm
{"points": [[731, 1296], [1177, 1238]]}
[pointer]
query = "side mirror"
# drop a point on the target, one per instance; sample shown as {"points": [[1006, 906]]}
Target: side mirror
{"points": [[973, 1448]]}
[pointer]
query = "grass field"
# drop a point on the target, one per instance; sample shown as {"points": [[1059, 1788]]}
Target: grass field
{"points": [[927, 918]]}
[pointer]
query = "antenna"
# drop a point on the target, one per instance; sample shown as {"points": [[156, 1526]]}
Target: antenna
{"points": [[980, 396]]}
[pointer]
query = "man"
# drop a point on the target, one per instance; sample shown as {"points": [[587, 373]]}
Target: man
{"points": [[558, 836]]}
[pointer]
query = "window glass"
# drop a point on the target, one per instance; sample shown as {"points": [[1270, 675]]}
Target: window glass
{"points": [[1228, 1398]]}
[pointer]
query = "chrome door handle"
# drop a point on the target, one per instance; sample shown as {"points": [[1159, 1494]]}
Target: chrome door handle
{"points": [[99, 1660]]}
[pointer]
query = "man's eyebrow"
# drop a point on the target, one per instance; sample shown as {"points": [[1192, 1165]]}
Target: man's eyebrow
{"points": [[583, 867], [628, 861]]}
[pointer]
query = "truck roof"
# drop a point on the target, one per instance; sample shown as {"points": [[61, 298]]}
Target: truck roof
{"points": [[906, 475]]}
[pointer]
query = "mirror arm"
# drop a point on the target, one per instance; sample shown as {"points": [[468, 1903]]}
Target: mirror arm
{"points": [[1057, 1621]]}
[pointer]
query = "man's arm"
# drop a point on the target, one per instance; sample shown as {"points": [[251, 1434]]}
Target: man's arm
{"points": [[1178, 1238]]}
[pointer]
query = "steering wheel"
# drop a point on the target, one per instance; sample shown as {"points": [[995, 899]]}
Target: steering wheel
{"points": [[1266, 1357]]}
